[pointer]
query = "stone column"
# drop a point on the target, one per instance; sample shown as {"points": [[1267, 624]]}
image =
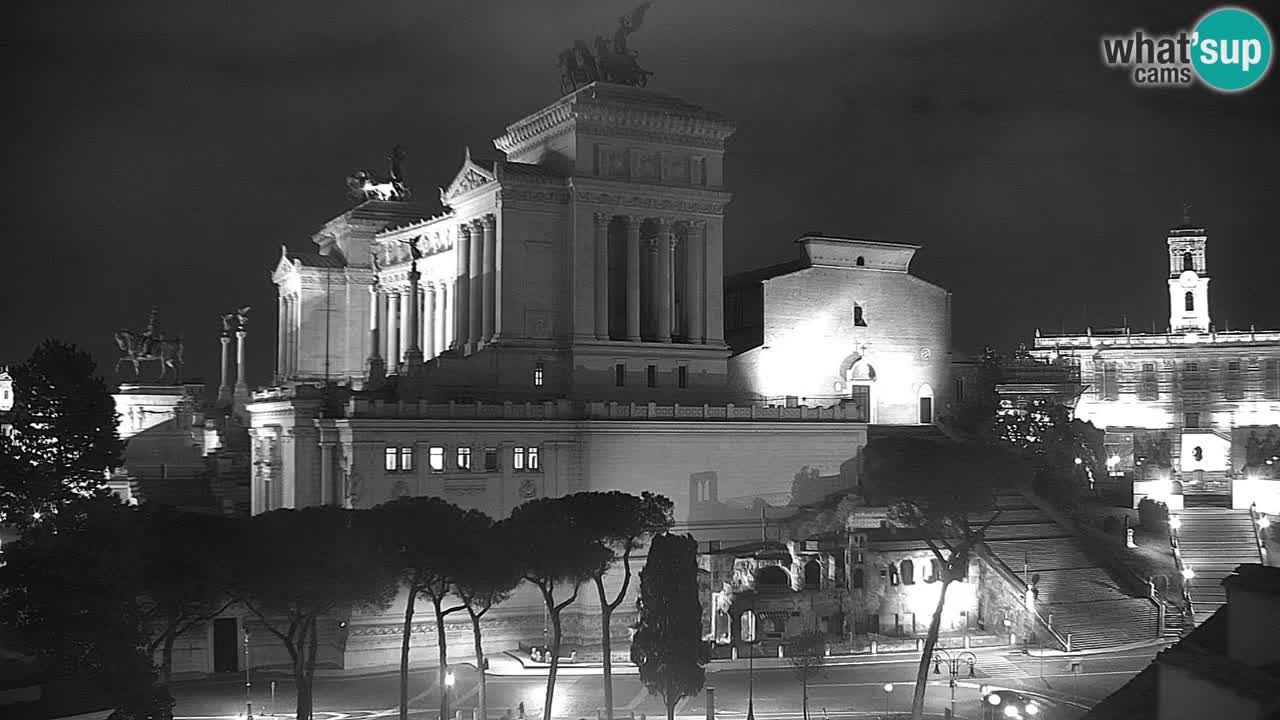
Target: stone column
{"points": [[713, 295], [446, 316], [282, 339], [429, 320], [490, 225], [326, 472], [475, 280], [663, 287], [377, 368], [693, 287], [633, 278], [242, 387], [462, 288], [393, 331], [602, 275], [413, 321], [224, 388], [402, 325]]}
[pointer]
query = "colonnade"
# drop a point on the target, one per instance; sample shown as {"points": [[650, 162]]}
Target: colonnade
{"points": [[397, 311], [663, 258]]}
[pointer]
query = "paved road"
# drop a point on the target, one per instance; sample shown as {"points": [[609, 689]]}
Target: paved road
{"points": [[844, 691]]}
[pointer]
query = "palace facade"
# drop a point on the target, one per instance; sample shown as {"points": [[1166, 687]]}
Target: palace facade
{"points": [[1192, 413]]}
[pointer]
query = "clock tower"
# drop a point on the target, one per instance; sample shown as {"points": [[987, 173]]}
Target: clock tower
{"points": [[1188, 280]]}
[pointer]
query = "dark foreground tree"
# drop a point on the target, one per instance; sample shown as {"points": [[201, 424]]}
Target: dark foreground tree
{"points": [[420, 536], [186, 573], [621, 523], [668, 644], [807, 655], [554, 552], [488, 576], [301, 565], [69, 593], [936, 487], [64, 437]]}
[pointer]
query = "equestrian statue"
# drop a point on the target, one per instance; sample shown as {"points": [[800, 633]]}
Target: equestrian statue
{"points": [[612, 63], [363, 185], [150, 346]]}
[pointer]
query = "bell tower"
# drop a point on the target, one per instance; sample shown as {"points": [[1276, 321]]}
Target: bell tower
{"points": [[1188, 278]]}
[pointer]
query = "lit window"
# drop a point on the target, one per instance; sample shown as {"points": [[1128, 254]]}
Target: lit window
{"points": [[620, 375], [682, 376], [464, 458], [537, 375], [525, 459], [435, 456], [406, 459], [651, 373], [517, 459], [390, 464], [491, 458], [535, 463]]}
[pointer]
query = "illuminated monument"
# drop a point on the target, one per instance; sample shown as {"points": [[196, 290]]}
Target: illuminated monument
{"points": [[1192, 411]]}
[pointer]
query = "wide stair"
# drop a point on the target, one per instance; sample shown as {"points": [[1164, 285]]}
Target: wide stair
{"points": [[1213, 542], [1075, 594]]}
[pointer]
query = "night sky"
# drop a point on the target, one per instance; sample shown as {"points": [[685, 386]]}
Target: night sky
{"points": [[160, 152]]}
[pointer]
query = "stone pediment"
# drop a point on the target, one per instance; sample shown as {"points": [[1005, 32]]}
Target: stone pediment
{"points": [[470, 177], [284, 266]]}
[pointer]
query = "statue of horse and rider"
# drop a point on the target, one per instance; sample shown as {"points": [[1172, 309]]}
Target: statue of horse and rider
{"points": [[150, 346], [614, 63], [364, 185]]}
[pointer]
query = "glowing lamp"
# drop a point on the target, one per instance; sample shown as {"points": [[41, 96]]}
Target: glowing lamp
{"points": [[1032, 709], [1079, 461], [35, 515], [1175, 523], [888, 687], [1010, 711], [993, 699], [1113, 461], [1264, 522], [1188, 573], [449, 679]]}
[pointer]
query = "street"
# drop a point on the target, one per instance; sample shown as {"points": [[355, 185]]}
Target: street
{"points": [[849, 690]]}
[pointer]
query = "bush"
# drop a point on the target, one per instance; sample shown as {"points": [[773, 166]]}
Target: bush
{"points": [[1153, 515]]}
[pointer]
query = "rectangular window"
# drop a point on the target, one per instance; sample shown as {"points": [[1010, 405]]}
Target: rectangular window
{"points": [[1191, 420], [391, 460], [464, 458], [537, 375], [959, 390], [1233, 366], [1110, 382], [1192, 367], [406, 459], [491, 459], [1148, 367], [651, 374], [682, 377], [620, 375], [435, 457], [533, 462], [517, 459]]}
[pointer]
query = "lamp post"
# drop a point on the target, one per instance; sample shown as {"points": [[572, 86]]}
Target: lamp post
{"points": [[749, 636], [449, 680], [888, 690], [248, 700], [953, 663]]}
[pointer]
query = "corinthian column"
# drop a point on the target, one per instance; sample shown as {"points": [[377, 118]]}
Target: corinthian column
{"points": [[377, 369], [413, 321], [475, 325], [490, 225], [282, 342], [633, 278], [602, 275], [462, 288], [403, 326], [224, 388], [693, 285], [393, 331], [242, 387], [429, 320], [663, 290]]}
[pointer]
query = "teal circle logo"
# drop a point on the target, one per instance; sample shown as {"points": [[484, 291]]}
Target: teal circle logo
{"points": [[1231, 49]]}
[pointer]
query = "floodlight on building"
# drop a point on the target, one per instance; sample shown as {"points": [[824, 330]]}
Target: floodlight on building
{"points": [[1175, 522], [1113, 461], [1032, 709], [993, 699], [1011, 711], [1079, 461], [1264, 522], [1188, 573]]}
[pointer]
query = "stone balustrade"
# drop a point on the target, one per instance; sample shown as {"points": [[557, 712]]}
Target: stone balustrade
{"points": [[566, 410], [1049, 342]]}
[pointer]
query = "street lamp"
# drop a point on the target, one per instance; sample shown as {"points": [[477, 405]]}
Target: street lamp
{"points": [[749, 636], [248, 700], [888, 690], [449, 680], [953, 663]]}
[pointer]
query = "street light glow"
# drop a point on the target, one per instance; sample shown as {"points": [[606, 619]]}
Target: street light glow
{"points": [[1032, 709], [1188, 573], [1010, 711], [888, 687], [1175, 522], [993, 699], [449, 679], [1264, 522]]}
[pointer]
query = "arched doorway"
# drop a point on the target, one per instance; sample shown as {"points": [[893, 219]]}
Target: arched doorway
{"points": [[772, 577], [925, 400], [812, 575]]}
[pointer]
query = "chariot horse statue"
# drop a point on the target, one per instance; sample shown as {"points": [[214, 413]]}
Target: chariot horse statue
{"points": [[614, 63], [149, 346]]}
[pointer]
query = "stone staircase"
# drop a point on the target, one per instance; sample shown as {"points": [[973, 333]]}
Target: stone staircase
{"points": [[1213, 542], [1075, 594]]}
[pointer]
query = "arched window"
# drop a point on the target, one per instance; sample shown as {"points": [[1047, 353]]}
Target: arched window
{"points": [[1190, 301], [858, 579], [860, 261], [908, 572], [1188, 262], [935, 571], [812, 575], [858, 319]]}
